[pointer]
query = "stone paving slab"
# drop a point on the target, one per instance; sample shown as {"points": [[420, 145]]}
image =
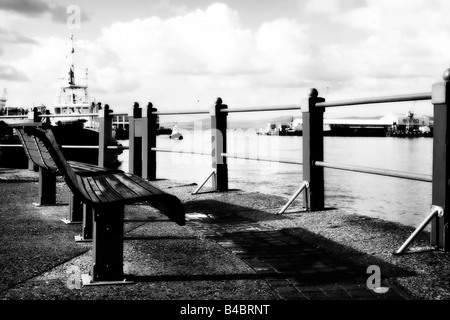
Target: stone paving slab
{"points": [[295, 269]]}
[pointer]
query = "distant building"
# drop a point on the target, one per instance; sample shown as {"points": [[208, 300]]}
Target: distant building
{"points": [[120, 121], [3, 102]]}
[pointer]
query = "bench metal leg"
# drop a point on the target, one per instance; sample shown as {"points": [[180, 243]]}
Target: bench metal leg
{"points": [[107, 256], [75, 211], [88, 222], [47, 187]]}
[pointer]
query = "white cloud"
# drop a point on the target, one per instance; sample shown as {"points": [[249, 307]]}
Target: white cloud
{"points": [[322, 6], [205, 53], [405, 48], [202, 54]]}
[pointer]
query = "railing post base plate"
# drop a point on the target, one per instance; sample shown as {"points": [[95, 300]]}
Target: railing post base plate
{"points": [[86, 280]]}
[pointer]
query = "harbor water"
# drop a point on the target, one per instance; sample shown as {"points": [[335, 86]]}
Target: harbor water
{"points": [[399, 200]]}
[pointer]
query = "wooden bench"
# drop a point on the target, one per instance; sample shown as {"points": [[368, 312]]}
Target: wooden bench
{"points": [[104, 190]]}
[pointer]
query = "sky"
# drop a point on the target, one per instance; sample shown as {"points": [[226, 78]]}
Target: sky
{"points": [[182, 55]]}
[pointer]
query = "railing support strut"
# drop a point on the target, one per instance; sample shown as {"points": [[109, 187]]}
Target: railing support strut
{"points": [[213, 175], [436, 211], [304, 186]]}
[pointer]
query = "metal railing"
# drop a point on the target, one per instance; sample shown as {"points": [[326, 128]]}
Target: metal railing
{"points": [[142, 147], [374, 100], [375, 171], [313, 162]]}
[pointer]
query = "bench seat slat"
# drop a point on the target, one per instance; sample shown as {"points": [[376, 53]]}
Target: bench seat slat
{"points": [[108, 192], [145, 185], [83, 189], [136, 187], [41, 161], [122, 189], [92, 187], [35, 145], [38, 154], [86, 190], [89, 169]]}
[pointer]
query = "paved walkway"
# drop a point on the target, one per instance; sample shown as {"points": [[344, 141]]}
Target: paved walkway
{"points": [[295, 269], [292, 267]]}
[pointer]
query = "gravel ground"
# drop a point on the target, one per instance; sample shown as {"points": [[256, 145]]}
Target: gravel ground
{"points": [[365, 241], [168, 262], [38, 252]]}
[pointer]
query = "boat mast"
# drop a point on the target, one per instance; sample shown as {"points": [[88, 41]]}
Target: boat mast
{"points": [[72, 72], [86, 90]]}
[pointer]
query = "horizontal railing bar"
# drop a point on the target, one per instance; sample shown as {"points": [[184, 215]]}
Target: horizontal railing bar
{"points": [[180, 112], [70, 115], [78, 147], [63, 146], [385, 99], [267, 108], [71, 146], [23, 116], [118, 147], [229, 155], [381, 172], [10, 145], [94, 147], [180, 151], [287, 161]]}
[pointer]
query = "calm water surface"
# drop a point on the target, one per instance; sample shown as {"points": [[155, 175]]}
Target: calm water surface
{"points": [[399, 200]]}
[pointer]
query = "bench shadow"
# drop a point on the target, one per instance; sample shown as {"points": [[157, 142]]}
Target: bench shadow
{"points": [[214, 191], [197, 277], [294, 252], [145, 220], [159, 238], [221, 209]]}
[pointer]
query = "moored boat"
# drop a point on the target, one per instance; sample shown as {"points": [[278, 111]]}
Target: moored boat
{"points": [[176, 134], [74, 121]]}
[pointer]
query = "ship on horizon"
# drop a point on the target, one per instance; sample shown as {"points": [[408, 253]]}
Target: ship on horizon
{"points": [[390, 125]]}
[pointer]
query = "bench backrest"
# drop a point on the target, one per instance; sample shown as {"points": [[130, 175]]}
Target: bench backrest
{"points": [[36, 151], [43, 150]]}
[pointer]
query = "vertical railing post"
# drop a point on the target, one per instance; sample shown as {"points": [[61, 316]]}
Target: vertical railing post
{"points": [[33, 116], [149, 142], [105, 119], [219, 145], [142, 138], [135, 141], [441, 162], [313, 151]]}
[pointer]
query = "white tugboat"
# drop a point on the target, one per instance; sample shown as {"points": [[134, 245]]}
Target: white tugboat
{"points": [[74, 100], [69, 125], [80, 126]]}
